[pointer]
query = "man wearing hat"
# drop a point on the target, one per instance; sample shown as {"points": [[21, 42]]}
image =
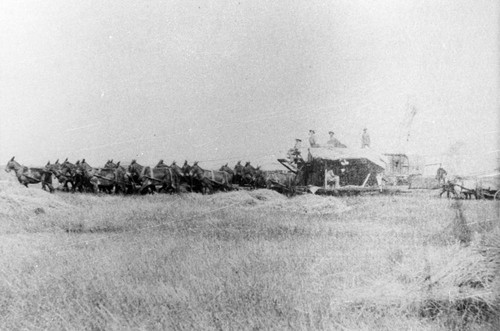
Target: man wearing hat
{"points": [[365, 139], [334, 142], [332, 180], [294, 153], [312, 139], [332, 139]]}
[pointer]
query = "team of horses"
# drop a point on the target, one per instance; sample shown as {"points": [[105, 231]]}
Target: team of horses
{"points": [[136, 178]]}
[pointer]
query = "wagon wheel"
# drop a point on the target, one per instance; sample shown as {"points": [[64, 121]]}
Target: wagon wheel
{"points": [[497, 195]]}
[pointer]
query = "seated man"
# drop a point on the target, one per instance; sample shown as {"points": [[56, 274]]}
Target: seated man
{"points": [[332, 180], [334, 142]]}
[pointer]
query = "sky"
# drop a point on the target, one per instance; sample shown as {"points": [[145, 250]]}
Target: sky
{"points": [[222, 81]]}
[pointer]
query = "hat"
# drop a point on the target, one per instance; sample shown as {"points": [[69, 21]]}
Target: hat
{"points": [[330, 132], [297, 139], [312, 131]]}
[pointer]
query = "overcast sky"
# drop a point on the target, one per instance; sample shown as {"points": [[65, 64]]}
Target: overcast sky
{"points": [[240, 80]]}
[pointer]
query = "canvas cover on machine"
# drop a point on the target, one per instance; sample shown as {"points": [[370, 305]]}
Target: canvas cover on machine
{"points": [[335, 154]]}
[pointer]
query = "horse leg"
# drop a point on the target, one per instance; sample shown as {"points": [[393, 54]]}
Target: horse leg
{"points": [[51, 188], [78, 184], [145, 188], [73, 188], [63, 183], [66, 186]]}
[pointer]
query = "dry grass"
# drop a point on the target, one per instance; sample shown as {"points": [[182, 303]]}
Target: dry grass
{"points": [[246, 260]]}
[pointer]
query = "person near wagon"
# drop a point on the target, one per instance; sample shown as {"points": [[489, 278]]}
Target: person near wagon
{"points": [[365, 139], [332, 180], [313, 141]]}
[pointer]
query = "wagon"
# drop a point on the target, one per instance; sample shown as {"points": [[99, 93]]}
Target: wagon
{"points": [[488, 186], [480, 187]]}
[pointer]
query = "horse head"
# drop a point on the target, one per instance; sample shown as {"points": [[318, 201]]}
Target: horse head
{"points": [[196, 171], [65, 168], [110, 164], [186, 168], [227, 169], [134, 170], [178, 170], [160, 164], [52, 168], [12, 165]]}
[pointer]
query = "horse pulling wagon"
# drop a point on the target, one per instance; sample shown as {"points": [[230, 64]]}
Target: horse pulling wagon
{"points": [[479, 187]]}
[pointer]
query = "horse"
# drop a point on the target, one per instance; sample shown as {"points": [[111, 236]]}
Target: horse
{"points": [[63, 174], [238, 173], [281, 182], [466, 187], [249, 175], [88, 180], [123, 183], [75, 174], [449, 188], [230, 172], [200, 183], [186, 168], [182, 175], [112, 178], [27, 175], [460, 187], [260, 178], [218, 179], [110, 165], [161, 164], [171, 184], [149, 178]]}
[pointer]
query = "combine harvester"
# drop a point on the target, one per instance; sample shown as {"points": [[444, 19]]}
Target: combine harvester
{"points": [[359, 171]]}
